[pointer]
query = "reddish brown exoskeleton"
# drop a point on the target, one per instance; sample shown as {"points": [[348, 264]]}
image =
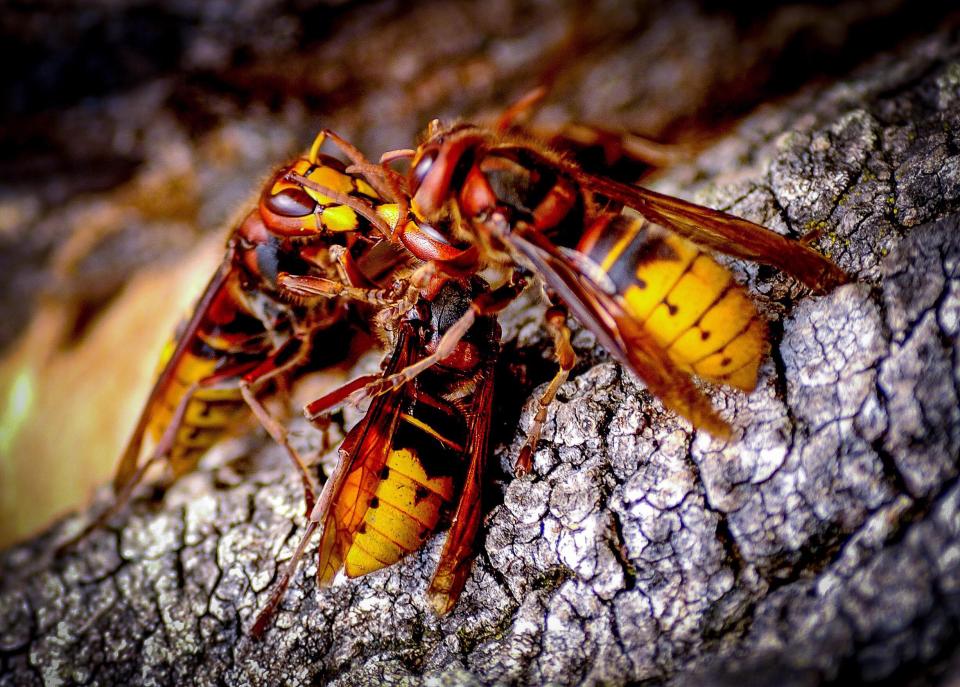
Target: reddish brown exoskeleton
{"points": [[418, 454], [315, 219], [639, 280], [489, 202]]}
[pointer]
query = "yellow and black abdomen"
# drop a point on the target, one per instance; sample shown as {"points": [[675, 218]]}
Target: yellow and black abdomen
{"points": [[405, 508], [689, 304], [406, 463], [401, 484], [210, 413], [197, 385]]}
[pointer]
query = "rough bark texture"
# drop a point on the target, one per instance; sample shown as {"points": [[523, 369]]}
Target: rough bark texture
{"points": [[820, 545]]}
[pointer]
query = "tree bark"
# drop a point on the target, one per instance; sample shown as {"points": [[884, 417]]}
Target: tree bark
{"points": [[819, 545]]}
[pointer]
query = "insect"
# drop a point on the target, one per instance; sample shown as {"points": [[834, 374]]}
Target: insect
{"points": [[496, 202], [641, 283], [246, 331], [417, 448]]}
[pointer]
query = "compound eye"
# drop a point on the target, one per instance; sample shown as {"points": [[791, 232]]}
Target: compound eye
{"points": [[290, 202], [419, 172]]}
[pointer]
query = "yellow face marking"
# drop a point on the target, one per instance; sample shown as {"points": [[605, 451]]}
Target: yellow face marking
{"points": [[310, 224], [339, 218], [330, 178], [299, 167], [366, 189], [390, 212]]}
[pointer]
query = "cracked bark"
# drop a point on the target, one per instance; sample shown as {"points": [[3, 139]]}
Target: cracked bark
{"points": [[821, 545]]}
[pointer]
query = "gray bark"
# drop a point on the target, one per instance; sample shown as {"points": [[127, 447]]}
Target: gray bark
{"points": [[821, 544]]}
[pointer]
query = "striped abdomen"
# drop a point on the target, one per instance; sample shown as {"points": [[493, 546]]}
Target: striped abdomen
{"points": [[222, 341], [210, 413], [402, 512], [689, 303], [386, 510]]}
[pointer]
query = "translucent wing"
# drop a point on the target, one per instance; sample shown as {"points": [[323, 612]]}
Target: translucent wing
{"points": [[395, 478], [459, 548], [177, 359], [722, 232], [616, 330]]}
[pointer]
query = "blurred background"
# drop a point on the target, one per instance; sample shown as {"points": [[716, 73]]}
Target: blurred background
{"points": [[133, 132]]}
